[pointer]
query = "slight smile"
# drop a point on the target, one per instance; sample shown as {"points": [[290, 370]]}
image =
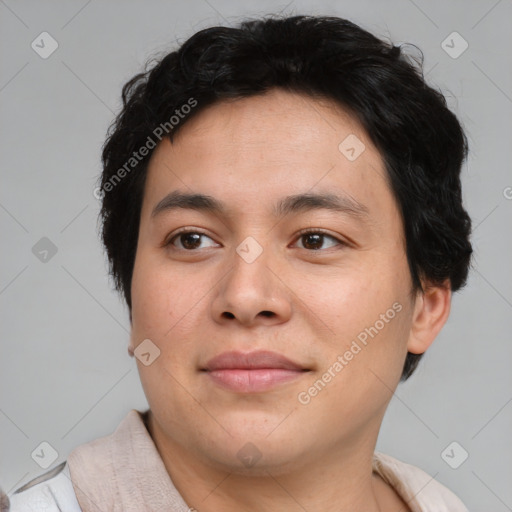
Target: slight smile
{"points": [[252, 372]]}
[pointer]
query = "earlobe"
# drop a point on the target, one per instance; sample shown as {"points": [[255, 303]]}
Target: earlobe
{"points": [[431, 311]]}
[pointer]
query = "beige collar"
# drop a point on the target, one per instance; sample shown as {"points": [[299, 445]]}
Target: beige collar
{"points": [[123, 472]]}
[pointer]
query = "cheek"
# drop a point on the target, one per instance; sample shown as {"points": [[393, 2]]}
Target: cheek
{"points": [[160, 304], [159, 297], [361, 367], [150, 308], [168, 308], [351, 299], [368, 313]]}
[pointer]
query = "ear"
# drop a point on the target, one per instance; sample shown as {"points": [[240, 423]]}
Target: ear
{"points": [[431, 310]]}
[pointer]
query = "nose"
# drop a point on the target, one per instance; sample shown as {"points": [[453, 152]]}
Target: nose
{"points": [[252, 292]]}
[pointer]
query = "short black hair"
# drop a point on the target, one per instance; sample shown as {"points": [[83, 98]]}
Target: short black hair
{"points": [[422, 143]]}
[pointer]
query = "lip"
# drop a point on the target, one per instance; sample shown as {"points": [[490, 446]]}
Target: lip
{"points": [[252, 372], [260, 359]]}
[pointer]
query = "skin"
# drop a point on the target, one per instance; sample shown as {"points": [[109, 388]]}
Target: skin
{"points": [[306, 304]]}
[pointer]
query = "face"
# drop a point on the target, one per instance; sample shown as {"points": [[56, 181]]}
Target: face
{"points": [[328, 288]]}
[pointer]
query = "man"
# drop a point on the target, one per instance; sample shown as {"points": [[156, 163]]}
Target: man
{"points": [[282, 212]]}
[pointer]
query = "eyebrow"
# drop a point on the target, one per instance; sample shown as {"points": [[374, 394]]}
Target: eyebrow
{"points": [[298, 203]]}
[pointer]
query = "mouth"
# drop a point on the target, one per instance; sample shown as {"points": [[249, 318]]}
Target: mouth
{"points": [[252, 372]]}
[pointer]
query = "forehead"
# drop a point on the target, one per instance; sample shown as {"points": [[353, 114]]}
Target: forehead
{"points": [[256, 150]]}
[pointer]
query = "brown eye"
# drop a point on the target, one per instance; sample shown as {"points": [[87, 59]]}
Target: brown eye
{"points": [[188, 240], [314, 240]]}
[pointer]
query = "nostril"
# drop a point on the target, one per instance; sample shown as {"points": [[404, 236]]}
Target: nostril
{"points": [[267, 313]]}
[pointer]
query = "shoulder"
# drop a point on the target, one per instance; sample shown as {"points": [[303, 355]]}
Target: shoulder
{"points": [[50, 492], [416, 487]]}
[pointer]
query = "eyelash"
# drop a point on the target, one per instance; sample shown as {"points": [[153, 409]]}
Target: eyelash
{"points": [[302, 233]]}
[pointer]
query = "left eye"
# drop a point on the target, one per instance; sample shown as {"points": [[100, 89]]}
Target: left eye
{"points": [[314, 240]]}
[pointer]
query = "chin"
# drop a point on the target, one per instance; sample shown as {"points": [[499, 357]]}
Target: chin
{"points": [[255, 460]]}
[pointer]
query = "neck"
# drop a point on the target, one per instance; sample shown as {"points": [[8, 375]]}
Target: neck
{"points": [[341, 480]]}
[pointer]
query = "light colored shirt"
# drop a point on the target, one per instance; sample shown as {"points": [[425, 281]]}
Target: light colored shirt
{"points": [[123, 472]]}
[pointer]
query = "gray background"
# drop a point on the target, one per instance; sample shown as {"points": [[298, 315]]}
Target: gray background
{"points": [[65, 374]]}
